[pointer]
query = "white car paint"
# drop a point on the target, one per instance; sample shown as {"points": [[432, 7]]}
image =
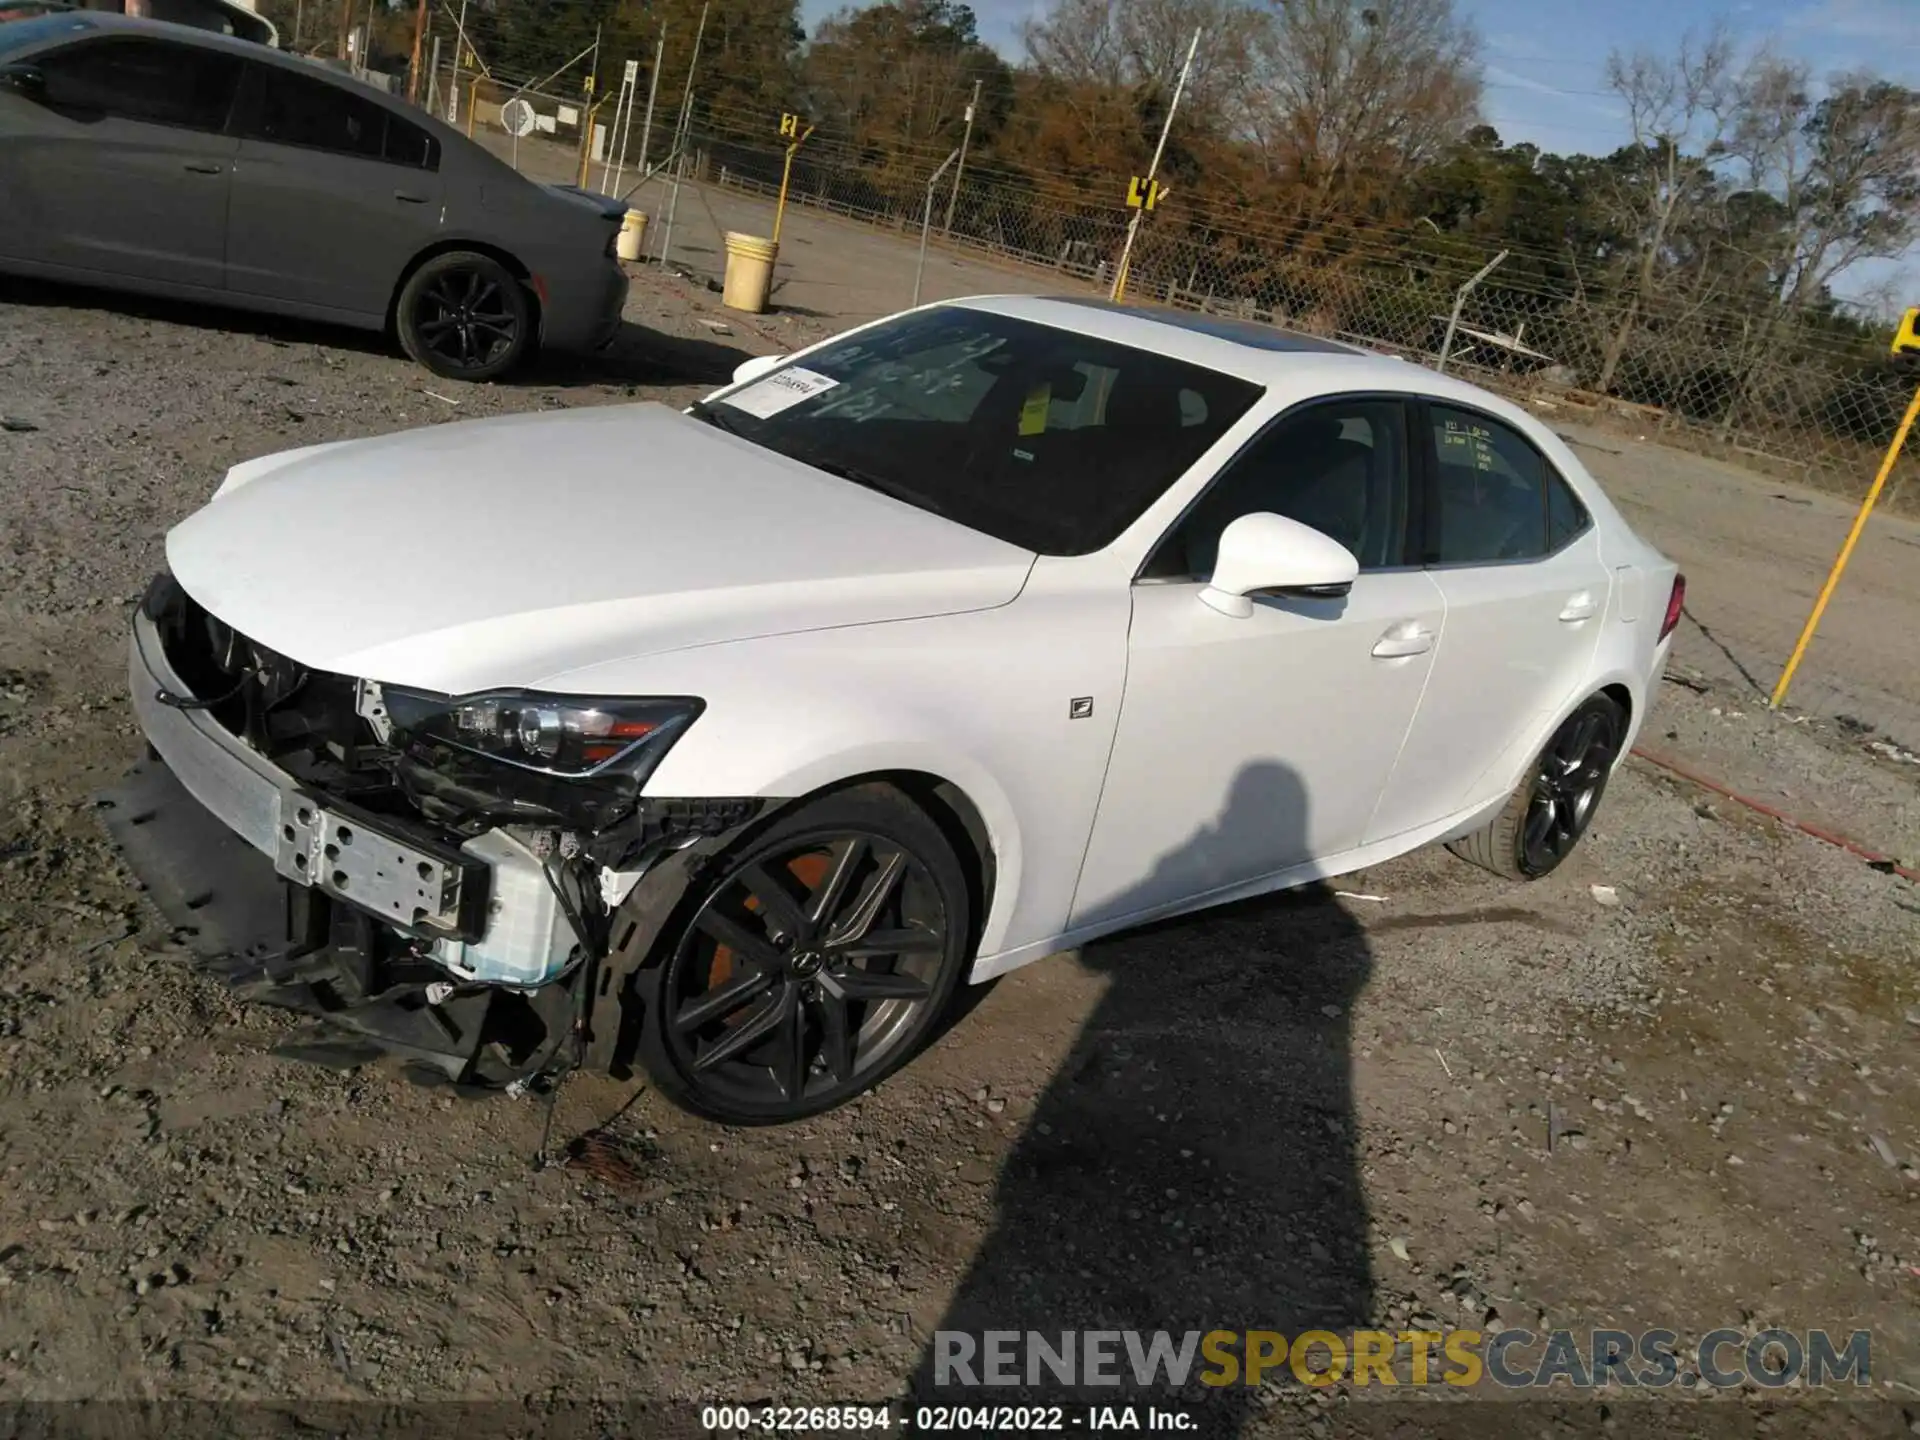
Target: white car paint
{"points": [[835, 633], [501, 565]]}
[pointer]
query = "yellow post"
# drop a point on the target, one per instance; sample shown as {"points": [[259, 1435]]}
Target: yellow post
{"points": [[786, 174], [586, 144], [1846, 550], [473, 102]]}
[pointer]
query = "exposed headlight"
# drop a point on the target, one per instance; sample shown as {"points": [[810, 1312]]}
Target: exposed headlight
{"points": [[553, 734]]}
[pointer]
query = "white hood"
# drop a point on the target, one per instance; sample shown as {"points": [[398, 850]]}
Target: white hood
{"points": [[501, 552]]}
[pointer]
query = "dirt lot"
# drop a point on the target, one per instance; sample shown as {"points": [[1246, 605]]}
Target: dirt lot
{"points": [[1433, 1100]]}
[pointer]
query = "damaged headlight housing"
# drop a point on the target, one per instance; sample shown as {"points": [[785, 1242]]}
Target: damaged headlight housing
{"points": [[560, 735]]}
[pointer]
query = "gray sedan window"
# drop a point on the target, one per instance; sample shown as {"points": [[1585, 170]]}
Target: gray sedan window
{"points": [[287, 108], [153, 81]]}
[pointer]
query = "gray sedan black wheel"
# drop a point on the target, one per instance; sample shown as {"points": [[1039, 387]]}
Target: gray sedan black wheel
{"points": [[463, 315]]}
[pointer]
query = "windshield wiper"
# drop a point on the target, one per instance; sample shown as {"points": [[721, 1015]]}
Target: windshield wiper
{"points": [[713, 415], [868, 480]]}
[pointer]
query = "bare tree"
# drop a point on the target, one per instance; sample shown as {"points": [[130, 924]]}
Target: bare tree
{"points": [[1117, 46], [1355, 93], [1832, 181], [1679, 111], [1844, 171]]}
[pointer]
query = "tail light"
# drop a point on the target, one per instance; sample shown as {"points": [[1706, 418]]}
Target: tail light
{"points": [[1676, 602]]}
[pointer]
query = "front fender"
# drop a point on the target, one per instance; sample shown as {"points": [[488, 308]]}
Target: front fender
{"points": [[994, 702], [813, 748]]}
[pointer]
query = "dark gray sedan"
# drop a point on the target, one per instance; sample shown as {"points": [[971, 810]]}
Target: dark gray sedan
{"points": [[177, 162]]}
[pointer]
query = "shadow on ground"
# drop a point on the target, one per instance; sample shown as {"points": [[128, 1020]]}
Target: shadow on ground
{"points": [[1192, 1166]]}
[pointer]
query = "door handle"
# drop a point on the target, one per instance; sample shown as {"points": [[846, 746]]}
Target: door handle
{"points": [[409, 198], [1580, 607], [202, 167], [1407, 638]]}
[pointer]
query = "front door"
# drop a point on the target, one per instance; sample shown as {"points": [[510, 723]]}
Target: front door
{"points": [[1248, 746], [334, 193], [114, 161], [1518, 561]]}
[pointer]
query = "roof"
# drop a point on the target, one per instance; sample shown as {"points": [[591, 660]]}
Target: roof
{"points": [[1263, 354], [1292, 368], [113, 22], [1223, 327]]}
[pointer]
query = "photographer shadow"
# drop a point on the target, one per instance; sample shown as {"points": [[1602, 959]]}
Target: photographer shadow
{"points": [[1193, 1164]]}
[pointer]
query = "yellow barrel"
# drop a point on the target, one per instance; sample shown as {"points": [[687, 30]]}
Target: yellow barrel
{"points": [[749, 272], [632, 229]]}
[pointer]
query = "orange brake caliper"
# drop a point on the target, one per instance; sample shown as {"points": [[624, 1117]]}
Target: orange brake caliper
{"points": [[810, 870]]}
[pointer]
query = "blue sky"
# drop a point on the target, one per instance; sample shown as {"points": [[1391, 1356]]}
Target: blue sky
{"points": [[1544, 60]]}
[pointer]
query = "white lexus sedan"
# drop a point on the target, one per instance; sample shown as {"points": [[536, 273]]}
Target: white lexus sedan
{"points": [[731, 741]]}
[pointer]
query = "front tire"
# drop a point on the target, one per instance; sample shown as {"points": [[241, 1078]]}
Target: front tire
{"points": [[464, 315], [1555, 801], [811, 964]]}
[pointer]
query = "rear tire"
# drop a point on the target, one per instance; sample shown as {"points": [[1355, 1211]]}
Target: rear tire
{"points": [[809, 964], [464, 315], [1554, 803]]}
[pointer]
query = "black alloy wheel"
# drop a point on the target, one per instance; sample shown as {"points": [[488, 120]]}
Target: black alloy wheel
{"points": [[1555, 802], [464, 315], [813, 965], [1567, 785]]}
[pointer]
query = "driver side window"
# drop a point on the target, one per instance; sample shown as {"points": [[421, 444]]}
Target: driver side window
{"points": [[139, 78], [1338, 465]]}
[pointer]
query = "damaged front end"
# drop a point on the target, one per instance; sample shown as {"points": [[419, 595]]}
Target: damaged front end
{"points": [[434, 877]]}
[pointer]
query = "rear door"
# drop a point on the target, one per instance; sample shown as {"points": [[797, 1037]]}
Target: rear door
{"points": [[1518, 563], [112, 159], [334, 193]]}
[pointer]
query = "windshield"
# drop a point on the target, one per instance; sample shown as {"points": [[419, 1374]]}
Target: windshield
{"points": [[1048, 439], [18, 34]]}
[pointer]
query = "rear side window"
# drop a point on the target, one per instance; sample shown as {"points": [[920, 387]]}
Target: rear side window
{"points": [[288, 108], [1566, 516], [1490, 490], [154, 82]]}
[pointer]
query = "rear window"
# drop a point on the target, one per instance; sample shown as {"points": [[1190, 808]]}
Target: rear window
{"points": [[1043, 437]]}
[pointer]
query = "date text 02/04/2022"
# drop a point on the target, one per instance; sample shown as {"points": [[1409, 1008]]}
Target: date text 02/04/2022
{"points": [[746, 1420]]}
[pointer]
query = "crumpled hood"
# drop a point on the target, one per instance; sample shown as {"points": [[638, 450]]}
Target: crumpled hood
{"points": [[500, 552]]}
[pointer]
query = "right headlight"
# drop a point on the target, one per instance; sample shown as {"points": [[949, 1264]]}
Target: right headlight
{"points": [[562, 735]]}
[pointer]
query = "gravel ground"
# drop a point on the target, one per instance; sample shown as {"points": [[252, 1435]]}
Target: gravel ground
{"points": [[1688, 1100]]}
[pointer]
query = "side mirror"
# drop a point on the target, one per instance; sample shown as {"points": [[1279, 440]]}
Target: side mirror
{"points": [[1270, 554], [754, 368]]}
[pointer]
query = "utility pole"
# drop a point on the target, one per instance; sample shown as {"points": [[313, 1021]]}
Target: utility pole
{"points": [[346, 25], [453, 81], [299, 14], [653, 89], [419, 40], [682, 126], [1133, 226], [946, 225]]}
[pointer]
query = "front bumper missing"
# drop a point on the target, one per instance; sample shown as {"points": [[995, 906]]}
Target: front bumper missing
{"points": [[414, 883], [281, 944], [304, 902]]}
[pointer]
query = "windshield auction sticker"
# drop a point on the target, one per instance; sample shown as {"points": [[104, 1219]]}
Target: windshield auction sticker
{"points": [[781, 391]]}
